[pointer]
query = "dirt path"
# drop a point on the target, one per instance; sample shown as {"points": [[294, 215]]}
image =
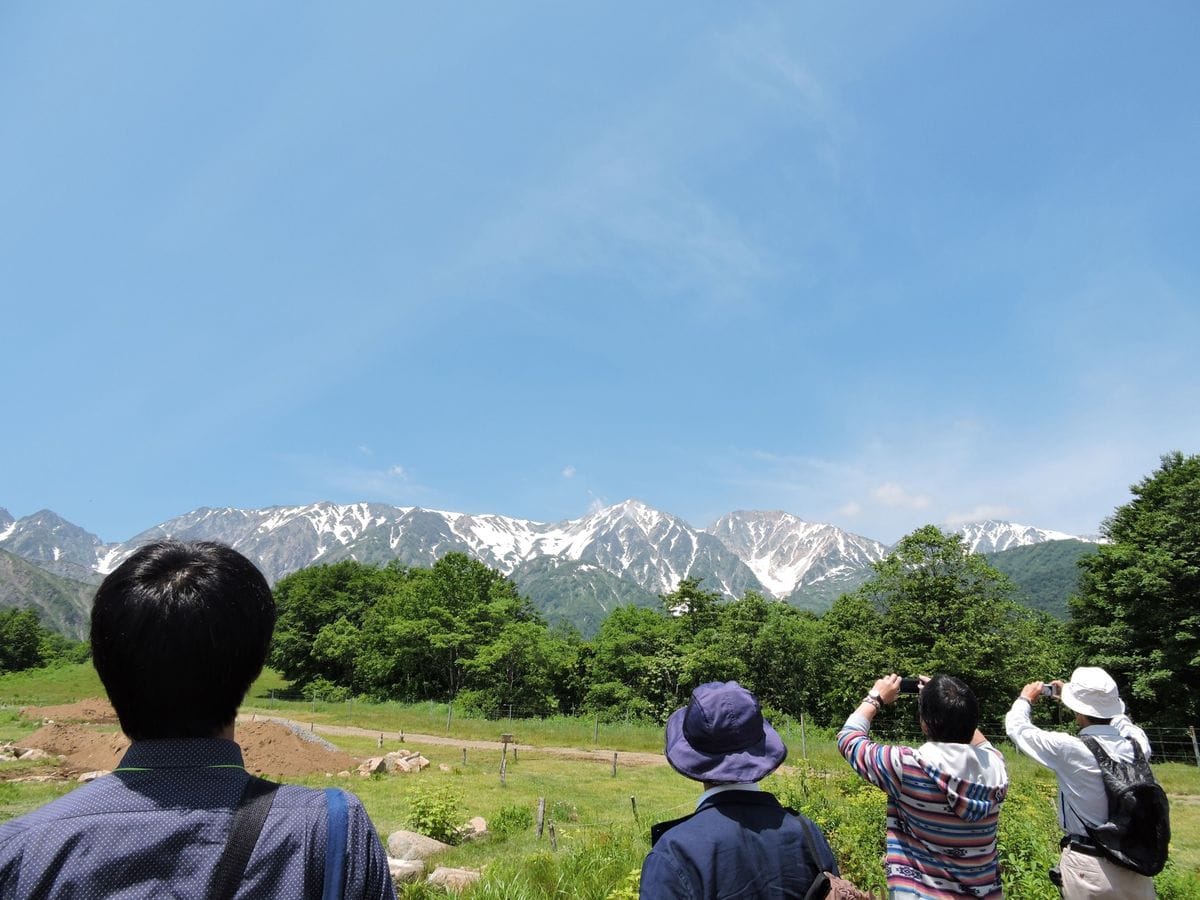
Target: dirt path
{"points": [[624, 757]]}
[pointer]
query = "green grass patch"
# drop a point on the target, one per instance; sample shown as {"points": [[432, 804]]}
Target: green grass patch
{"points": [[50, 686], [600, 840]]}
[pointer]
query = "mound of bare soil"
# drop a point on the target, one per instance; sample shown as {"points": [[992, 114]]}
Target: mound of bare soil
{"points": [[273, 749], [270, 749], [85, 750], [95, 710]]}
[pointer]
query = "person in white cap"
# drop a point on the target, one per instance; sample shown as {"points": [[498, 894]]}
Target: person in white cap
{"points": [[1100, 713]]}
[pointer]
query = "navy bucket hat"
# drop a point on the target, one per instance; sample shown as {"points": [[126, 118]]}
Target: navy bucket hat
{"points": [[721, 736]]}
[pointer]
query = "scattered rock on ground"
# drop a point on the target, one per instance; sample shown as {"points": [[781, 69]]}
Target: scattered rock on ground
{"points": [[411, 845], [33, 754], [372, 765], [475, 828], [405, 761], [92, 776], [453, 879], [405, 870]]}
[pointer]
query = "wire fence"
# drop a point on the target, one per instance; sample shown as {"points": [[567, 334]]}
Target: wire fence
{"points": [[1167, 744]]}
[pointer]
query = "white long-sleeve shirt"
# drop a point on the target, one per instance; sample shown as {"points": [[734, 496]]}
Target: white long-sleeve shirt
{"points": [[1080, 785]]}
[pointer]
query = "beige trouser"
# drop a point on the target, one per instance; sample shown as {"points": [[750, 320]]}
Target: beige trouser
{"points": [[1085, 877]]}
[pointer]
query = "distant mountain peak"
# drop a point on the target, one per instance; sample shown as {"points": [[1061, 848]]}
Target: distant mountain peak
{"points": [[626, 552], [993, 535]]}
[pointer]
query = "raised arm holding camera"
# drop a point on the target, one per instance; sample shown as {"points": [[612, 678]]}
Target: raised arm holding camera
{"points": [[1085, 868], [943, 797]]}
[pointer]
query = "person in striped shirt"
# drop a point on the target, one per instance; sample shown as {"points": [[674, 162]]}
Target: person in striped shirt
{"points": [[943, 798]]}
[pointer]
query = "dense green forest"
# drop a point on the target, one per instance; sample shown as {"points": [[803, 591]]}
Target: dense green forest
{"points": [[1045, 574], [460, 631]]}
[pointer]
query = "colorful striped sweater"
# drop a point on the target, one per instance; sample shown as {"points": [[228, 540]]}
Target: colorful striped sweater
{"points": [[943, 805]]}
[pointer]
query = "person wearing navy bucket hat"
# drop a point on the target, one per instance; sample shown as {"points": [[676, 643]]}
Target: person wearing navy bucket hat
{"points": [[740, 842]]}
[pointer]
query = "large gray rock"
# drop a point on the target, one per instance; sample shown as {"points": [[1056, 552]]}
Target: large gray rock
{"points": [[405, 870], [411, 845], [372, 765], [475, 828], [453, 879]]}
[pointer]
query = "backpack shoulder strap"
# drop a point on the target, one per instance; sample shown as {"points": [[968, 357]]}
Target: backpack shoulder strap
{"points": [[1097, 751], [337, 821], [248, 819]]}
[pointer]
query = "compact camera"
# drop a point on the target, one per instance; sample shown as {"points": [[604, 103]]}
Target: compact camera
{"points": [[1050, 690], [910, 685]]}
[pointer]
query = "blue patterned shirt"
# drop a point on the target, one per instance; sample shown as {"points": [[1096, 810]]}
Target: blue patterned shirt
{"points": [[158, 825]]}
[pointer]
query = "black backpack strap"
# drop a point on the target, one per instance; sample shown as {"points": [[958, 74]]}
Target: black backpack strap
{"points": [[257, 797]]}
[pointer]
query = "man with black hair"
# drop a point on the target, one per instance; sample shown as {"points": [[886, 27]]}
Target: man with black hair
{"points": [[944, 797], [179, 632], [1082, 801]]}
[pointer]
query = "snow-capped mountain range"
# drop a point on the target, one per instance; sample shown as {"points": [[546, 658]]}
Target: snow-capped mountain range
{"points": [[772, 552]]}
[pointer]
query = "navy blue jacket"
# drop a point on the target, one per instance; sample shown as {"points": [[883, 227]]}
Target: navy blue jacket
{"points": [[737, 844], [158, 826]]}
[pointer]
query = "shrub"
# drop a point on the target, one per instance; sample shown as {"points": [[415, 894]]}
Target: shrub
{"points": [[511, 819], [436, 812]]}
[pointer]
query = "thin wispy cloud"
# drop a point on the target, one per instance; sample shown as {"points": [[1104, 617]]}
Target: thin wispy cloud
{"points": [[568, 472], [890, 494], [980, 513]]}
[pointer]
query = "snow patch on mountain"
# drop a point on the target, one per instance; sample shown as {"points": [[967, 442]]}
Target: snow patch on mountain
{"points": [[785, 552], [992, 536]]}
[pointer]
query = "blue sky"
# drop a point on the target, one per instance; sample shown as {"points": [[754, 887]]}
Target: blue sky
{"points": [[874, 264]]}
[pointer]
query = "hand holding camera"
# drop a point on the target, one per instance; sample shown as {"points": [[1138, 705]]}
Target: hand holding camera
{"points": [[1035, 690]]}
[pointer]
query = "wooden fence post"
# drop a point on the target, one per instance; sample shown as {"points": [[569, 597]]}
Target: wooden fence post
{"points": [[803, 738], [464, 756], [503, 770], [633, 803], [553, 837], [614, 765], [1195, 747], [541, 815]]}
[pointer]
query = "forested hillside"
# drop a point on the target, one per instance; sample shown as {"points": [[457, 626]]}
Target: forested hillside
{"points": [[61, 604], [1045, 574]]}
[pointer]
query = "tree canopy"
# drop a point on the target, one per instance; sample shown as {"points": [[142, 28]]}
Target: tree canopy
{"points": [[1138, 609]]}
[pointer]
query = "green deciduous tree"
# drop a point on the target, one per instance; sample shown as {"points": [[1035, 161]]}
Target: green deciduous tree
{"points": [[941, 608], [20, 640], [1138, 609]]}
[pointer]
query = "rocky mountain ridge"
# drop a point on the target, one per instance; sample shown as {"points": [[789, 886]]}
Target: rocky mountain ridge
{"points": [[628, 552]]}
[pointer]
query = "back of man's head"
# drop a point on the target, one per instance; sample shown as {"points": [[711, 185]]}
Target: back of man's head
{"points": [[179, 632], [949, 710]]}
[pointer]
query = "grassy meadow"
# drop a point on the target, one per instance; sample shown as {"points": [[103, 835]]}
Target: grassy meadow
{"points": [[599, 838]]}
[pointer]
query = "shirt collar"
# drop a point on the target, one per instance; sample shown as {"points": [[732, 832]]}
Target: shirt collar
{"points": [[1101, 730], [720, 788], [181, 753]]}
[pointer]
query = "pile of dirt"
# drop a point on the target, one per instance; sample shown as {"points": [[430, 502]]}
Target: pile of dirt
{"points": [[85, 750], [270, 749], [273, 749], [96, 710]]}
